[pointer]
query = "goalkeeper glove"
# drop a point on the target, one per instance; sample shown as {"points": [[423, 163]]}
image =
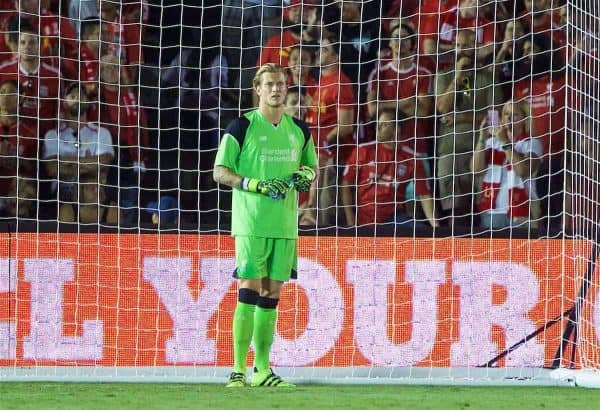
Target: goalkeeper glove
{"points": [[274, 188], [303, 178]]}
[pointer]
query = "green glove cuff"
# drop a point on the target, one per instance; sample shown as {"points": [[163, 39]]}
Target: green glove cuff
{"points": [[307, 172]]}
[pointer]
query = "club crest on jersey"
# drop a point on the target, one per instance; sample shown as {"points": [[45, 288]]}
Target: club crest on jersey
{"points": [[262, 138], [292, 138], [44, 90]]}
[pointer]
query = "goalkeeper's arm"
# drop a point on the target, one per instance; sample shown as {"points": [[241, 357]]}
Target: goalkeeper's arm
{"points": [[275, 188], [225, 176]]}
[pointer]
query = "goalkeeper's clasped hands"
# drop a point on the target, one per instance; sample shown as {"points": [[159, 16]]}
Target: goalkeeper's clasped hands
{"points": [[276, 188]]}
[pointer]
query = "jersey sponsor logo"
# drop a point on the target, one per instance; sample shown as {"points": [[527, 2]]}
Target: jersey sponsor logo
{"points": [[278, 155]]}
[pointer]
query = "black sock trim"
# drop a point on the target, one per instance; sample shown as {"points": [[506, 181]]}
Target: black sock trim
{"points": [[266, 303], [248, 296]]}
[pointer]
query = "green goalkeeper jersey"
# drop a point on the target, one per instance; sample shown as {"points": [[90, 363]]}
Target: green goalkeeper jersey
{"points": [[254, 148]]}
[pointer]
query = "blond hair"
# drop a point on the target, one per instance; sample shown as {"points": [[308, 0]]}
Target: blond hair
{"points": [[266, 68]]}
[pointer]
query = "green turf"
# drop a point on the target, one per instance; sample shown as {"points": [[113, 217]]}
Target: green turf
{"points": [[202, 396]]}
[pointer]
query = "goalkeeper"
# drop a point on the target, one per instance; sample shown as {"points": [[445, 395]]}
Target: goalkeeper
{"points": [[266, 156]]}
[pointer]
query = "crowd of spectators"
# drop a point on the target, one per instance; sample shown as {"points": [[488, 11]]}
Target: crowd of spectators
{"points": [[74, 134], [454, 105], [439, 113]]}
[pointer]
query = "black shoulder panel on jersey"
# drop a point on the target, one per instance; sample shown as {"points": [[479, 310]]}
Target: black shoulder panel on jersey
{"points": [[304, 127], [238, 128]]}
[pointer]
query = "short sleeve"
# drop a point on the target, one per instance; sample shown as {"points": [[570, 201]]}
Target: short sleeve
{"points": [[50, 145], [105, 145], [351, 166], [228, 152], [373, 80], [231, 143], [309, 154], [531, 146]]}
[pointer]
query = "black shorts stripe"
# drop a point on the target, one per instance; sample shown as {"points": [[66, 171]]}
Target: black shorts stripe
{"points": [[293, 274], [248, 296], [267, 303]]}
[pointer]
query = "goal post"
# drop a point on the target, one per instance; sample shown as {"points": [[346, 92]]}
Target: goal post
{"points": [[451, 237]]}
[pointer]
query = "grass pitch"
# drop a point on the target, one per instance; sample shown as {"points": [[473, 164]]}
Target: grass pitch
{"points": [[115, 396]]}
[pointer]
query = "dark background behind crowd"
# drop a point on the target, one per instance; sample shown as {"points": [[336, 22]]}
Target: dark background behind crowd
{"points": [[425, 113]]}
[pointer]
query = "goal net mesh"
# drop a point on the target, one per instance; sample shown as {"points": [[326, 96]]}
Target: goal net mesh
{"points": [[451, 234]]}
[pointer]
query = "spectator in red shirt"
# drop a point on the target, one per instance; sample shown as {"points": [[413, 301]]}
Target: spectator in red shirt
{"points": [[377, 174], [59, 45], [402, 85], [401, 10], [507, 158], [508, 54], [38, 82], [91, 41], [440, 31], [122, 38], [427, 24], [543, 87], [300, 64], [332, 112], [121, 114], [332, 118], [463, 96], [295, 105], [18, 153], [540, 17], [296, 16], [295, 102], [298, 21], [77, 155]]}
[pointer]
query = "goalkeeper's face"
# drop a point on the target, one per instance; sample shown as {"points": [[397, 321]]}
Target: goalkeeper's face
{"points": [[272, 90]]}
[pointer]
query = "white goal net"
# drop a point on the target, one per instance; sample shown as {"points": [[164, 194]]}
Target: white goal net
{"points": [[451, 236]]}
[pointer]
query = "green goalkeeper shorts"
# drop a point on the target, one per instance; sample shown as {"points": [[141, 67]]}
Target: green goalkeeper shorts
{"points": [[273, 258]]}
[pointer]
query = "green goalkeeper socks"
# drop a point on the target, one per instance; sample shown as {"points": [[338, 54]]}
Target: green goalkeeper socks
{"points": [[243, 325], [264, 329]]}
